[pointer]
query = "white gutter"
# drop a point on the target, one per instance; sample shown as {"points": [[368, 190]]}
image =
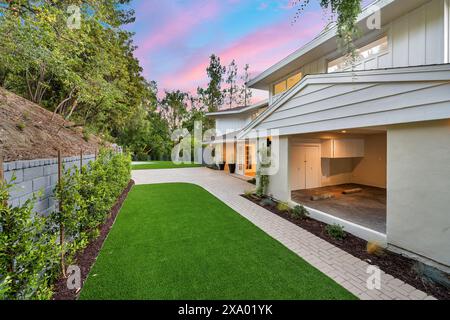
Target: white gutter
{"points": [[243, 110]]}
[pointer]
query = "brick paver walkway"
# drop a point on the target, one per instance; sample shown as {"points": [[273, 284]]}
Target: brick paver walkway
{"points": [[345, 269]]}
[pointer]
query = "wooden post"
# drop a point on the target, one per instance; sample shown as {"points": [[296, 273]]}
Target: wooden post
{"points": [[2, 178], [61, 224], [81, 159]]}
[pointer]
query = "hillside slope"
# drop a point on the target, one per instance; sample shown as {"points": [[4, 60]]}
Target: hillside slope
{"points": [[27, 132]]}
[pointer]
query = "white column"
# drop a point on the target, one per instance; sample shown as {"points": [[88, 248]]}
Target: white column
{"points": [[279, 185]]}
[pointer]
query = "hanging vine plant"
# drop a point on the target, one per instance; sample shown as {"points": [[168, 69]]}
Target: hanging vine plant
{"points": [[344, 12]]}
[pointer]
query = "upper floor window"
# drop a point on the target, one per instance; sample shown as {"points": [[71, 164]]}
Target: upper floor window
{"points": [[286, 84], [367, 52]]}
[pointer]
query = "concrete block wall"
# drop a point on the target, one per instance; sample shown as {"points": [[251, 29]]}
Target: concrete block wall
{"points": [[38, 178]]}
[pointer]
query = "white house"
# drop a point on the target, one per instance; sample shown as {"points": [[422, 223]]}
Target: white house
{"points": [[228, 150], [380, 124]]}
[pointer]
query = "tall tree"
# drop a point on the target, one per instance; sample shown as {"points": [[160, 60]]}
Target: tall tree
{"points": [[213, 96], [174, 108], [231, 92], [88, 75], [245, 93]]}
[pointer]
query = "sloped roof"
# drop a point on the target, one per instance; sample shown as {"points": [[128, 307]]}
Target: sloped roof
{"points": [[239, 110], [326, 43], [28, 132]]}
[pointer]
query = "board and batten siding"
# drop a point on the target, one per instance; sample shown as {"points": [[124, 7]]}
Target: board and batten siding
{"points": [[420, 37], [362, 99]]}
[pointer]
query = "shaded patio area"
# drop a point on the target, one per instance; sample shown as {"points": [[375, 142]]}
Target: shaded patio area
{"points": [[366, 208]]}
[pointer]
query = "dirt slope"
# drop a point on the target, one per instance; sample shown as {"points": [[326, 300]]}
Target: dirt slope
{"points": [[27, 132]]}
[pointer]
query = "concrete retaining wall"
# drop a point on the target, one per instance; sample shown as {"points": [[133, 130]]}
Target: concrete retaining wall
{"points": [[37, 177]]}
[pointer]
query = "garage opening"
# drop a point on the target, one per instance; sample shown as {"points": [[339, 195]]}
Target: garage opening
{"points": [[342, 174]]}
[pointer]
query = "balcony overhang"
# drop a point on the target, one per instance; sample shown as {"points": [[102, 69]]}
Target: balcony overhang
{"points": [[358, 99]]}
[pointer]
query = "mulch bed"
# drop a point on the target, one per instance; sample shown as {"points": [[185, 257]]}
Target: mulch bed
{"points": [[392, 263], [86, 259]]}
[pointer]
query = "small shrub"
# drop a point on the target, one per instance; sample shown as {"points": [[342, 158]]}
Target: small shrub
{"points": [[252, 181], [86, 136], [373, 248], [336, 231], [300, 212], [26, 116], [28, 252], [267, 202], [21, 125], [249, 193], [283, 207]]}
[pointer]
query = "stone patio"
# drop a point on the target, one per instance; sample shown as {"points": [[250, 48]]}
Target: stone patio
{"points": [[345, 269]]}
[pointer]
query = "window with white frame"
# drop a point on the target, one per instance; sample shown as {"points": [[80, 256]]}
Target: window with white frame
{"points": [[362, 54], [286, 84]]}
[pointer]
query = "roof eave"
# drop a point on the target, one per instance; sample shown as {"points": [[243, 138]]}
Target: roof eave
{"points": [[263, 80]]}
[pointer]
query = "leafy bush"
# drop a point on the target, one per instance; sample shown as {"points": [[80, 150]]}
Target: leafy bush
{"points": [[300, 212], [336, 231], [252, 181], [249, 193], [21, 126], [29, 250], [88, 196], [283, 207]]}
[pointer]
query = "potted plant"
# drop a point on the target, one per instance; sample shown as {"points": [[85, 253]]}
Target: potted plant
{"points": [[221, 166], [232, 167]]}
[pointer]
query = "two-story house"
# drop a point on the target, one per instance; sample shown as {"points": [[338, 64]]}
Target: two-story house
{"points": [[369, 138], [237, 156]]}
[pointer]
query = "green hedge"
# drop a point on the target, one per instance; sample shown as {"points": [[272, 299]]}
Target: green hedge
{"points": [[31, 255]]}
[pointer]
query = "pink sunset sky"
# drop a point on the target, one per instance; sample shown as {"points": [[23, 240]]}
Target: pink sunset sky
{"points": [[176, 37]]}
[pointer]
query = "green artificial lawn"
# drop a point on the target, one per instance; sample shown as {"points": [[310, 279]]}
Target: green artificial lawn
{"points": [[177, 241], [163, 165]]}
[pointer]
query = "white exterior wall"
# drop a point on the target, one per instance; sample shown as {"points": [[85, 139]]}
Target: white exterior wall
{"points": [[233, 123], [420, 37], [418, 218], [355, 100], [279, 184]]}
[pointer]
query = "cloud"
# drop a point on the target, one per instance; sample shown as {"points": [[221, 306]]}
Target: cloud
{"points": [[176, 23], [260, 49]]}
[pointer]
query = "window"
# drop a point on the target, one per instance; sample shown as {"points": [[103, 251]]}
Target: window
{"points": [[369, 51], [286, 84], [279, 88]]}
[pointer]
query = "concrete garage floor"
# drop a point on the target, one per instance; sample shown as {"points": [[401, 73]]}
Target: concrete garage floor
{"points": [[367, 208]]}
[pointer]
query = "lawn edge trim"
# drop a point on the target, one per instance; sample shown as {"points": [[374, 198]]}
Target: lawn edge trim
{"points": [[86, 259]]}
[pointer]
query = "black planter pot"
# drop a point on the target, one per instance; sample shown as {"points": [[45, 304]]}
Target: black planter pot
{"points": [[232, 167], [222, 166]]}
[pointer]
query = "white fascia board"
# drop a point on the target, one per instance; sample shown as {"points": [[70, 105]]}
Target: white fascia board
{"points": [[240, 111]]}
